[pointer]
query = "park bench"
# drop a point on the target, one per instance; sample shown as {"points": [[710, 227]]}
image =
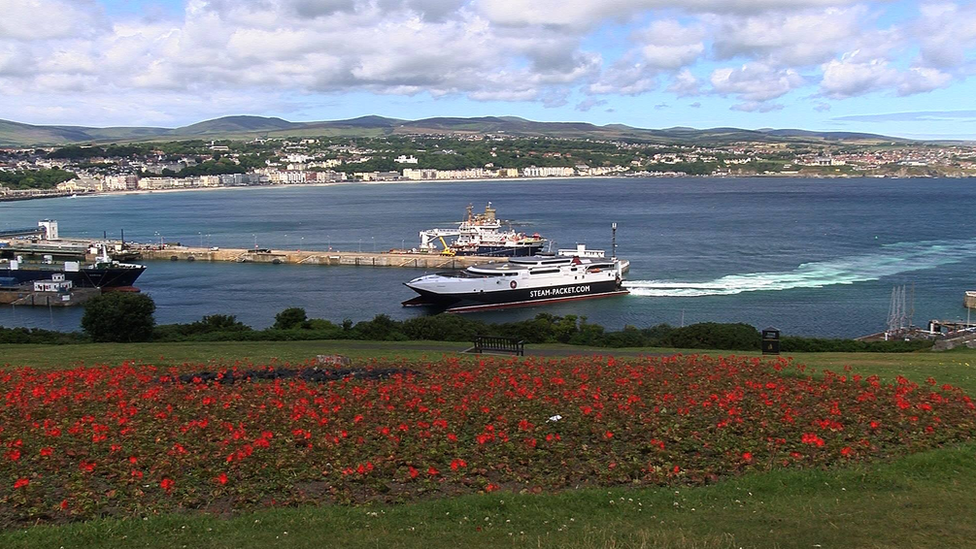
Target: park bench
{"points": [[498, 344]]}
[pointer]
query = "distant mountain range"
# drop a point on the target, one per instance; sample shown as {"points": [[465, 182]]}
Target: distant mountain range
{"points": [[15, 134]]}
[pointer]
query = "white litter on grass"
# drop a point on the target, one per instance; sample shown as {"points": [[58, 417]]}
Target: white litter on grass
{"points": [[554, 418]]}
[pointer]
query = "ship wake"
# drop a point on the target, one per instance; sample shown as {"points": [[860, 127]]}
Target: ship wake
{"points": [[890, 260]]}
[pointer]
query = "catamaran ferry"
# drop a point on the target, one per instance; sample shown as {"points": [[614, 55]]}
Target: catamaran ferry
{"points": [[521, 281]]}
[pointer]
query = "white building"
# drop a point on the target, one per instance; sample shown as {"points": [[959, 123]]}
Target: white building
{"points": [[549, 171], [404, 159], [56, 284], [121, 182]]}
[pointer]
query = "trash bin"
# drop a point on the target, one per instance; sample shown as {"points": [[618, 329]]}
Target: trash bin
{"points": [[770, 341]]}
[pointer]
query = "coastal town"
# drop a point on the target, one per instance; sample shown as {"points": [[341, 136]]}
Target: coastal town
{"points": [[33, 172]]}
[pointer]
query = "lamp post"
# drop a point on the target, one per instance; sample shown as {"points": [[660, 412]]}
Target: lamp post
{"points": [[201, 238], [374, 244], [360, 245], [255, 240]]}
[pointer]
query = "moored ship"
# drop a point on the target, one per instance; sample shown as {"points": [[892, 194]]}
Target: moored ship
{"points": [[482, 235], [103, 272]]}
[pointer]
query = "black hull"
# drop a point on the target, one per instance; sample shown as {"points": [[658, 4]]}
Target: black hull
{"points": [[110, 277], [503, 251], [516, 297]]}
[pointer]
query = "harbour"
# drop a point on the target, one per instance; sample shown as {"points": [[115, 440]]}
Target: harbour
{"points": [[746, 250]]}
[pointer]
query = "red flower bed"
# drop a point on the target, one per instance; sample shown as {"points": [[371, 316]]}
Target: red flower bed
{"points": [[133, 439]]}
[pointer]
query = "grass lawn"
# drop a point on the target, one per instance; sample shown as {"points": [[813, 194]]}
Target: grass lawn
{"points": [[957, 367], [924, 500]]}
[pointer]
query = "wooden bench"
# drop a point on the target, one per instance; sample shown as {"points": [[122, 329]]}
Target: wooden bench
{"points": [[498, 344]]}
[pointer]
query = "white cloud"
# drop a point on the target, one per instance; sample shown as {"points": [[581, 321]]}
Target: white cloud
{"points": [[755, 82], [581, 14], [667, 44], [685, 84], [756, 106], [945, 31], [590, 102], [46, 19], [852, 76], [542, 51], [789, 38]]}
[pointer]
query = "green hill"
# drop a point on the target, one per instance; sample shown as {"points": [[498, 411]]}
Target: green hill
{"points": [[16, 134]]}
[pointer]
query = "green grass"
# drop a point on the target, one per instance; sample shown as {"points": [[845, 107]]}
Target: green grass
{"points": [[957, 367], [925, 500]]}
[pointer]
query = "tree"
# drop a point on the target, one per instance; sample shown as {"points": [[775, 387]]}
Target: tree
{"points": [[119, 317], [290, 319]]}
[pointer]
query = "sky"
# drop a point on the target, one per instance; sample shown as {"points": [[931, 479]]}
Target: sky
{"points": [[904, 68]]}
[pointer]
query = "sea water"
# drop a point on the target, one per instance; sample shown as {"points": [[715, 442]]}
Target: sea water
{"points": [[814, 257]]}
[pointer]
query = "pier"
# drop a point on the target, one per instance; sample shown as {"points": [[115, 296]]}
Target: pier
{"points": [[27, 296], [310, 257]]}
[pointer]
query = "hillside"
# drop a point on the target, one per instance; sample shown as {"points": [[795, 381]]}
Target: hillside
{"points": [[16, 134]]}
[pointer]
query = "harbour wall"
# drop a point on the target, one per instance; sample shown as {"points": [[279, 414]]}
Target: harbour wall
{"points": [[27, 297], [355, 259]]}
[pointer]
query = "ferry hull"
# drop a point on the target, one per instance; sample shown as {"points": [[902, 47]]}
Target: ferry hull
{"points": [[502, 251], [85, 278], [518, 297]]}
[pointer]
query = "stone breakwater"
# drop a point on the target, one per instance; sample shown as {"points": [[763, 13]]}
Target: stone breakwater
{"points": [[280, 257]]}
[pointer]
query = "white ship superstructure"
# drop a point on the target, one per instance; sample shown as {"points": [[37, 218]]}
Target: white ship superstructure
{"points": [[481, 234]]}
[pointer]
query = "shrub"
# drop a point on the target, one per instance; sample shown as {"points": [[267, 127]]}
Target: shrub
{"points": [[290, 319], [711, 335], [119, 317]]}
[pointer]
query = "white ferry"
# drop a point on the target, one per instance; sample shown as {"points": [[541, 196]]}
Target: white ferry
{"points": [[521, 281]]}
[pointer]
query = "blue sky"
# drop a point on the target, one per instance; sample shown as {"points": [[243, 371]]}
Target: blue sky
{"points": [[900, 68]]}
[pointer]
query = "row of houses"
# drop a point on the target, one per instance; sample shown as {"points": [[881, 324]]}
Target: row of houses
{"points": [[87, 183]]}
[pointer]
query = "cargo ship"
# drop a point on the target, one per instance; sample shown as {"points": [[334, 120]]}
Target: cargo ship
{"points": [[482, 235], [103, 272]]}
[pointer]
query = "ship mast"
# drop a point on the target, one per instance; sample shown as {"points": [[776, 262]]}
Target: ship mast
{"points": [[613, 227]]}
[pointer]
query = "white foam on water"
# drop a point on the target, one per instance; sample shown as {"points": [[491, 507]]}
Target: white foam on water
{"points": [[890, 260]]}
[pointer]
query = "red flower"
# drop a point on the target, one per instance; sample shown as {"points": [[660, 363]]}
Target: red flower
{"points": [[13, 455], [433, 472], [166, 484], [846, 451], [608, 435], [491, 487], [64, 505], [21, 483], [47, 451], [87, 466], [747, 456], [222, 478], [413, 472]]}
